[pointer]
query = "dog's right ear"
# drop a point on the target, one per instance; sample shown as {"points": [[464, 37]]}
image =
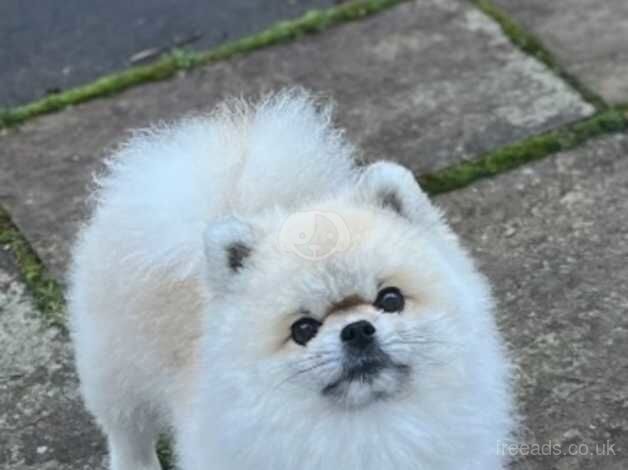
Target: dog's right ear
{"points": [[228, 248], [393, 187]]}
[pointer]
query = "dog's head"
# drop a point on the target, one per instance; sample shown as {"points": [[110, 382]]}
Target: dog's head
{"points": [[362, 298]]}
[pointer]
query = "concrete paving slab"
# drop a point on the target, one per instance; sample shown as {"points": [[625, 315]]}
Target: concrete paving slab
{"points": [[553, 237], [43, 425], [429, 83], [590, 38]]}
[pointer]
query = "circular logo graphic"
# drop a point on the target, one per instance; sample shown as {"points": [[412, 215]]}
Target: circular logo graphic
{"points": [[314, 235]]}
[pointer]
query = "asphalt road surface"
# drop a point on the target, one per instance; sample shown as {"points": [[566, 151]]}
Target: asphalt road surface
{"points": [[50, 45]]}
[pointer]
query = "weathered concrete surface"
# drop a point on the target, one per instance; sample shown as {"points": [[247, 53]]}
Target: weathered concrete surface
{"points": [[589, 37], [42, 422], [554, 239], [428, 83]]}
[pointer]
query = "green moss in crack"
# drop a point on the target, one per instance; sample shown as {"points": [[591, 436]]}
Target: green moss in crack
{"points": [[314, 21], [165, 453], [533, 46], [525, 151], [46, 292]]}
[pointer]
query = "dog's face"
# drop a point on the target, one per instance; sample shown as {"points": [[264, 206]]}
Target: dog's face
{"points": [[360, 325], [370, 314]]}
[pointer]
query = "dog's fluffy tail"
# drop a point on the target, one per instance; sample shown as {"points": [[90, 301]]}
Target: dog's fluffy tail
{"points": [[163, 187]]}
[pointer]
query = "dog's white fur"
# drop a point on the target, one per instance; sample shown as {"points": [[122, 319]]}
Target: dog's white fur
{"points": [[168, 336]]}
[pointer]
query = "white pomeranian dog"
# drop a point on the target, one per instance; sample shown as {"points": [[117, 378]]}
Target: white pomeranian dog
{"points": [[245, 285]]}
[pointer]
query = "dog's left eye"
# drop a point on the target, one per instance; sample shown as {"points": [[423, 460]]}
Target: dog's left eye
{"points": [[304, 330], [390, 299]]}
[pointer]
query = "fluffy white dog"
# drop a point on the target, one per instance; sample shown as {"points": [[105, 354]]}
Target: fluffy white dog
{"points": [[245, 285]]}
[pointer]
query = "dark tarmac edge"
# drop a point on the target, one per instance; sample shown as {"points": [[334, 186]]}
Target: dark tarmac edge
{"points": [[312, 22]]}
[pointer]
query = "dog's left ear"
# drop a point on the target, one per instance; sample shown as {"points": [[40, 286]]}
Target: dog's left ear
{"points": [[394, 187], [228, 246]]}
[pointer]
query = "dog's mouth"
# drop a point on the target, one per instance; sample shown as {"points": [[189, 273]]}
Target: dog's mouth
{"points": [[369, 377], [364, 373]]}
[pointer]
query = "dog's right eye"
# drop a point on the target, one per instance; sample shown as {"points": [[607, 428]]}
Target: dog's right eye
{"points": [[304, 329]]}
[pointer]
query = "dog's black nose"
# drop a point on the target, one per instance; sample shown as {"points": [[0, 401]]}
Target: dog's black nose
{"points": [[358, 335]]}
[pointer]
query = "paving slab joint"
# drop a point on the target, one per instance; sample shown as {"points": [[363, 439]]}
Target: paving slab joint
{"points": [[314, 21], [165, 452], [527, 150], [533, 46], [46, 291]]}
